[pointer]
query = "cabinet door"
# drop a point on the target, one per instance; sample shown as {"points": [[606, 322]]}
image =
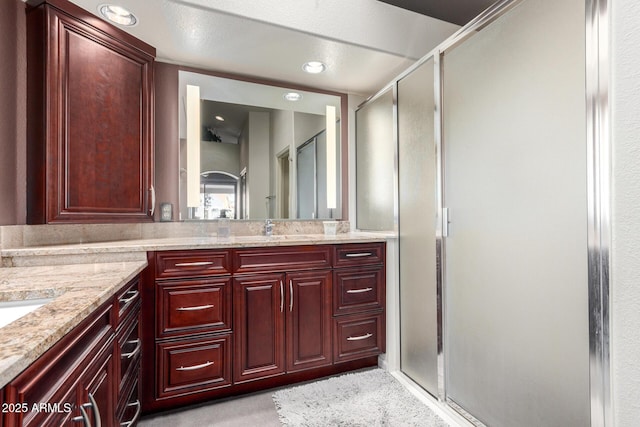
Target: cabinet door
{"points": [[259, 303], [97, 388], [308, 326], [97, 135]]}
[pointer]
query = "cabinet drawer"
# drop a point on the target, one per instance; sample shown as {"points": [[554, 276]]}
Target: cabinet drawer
{"points": [[127, 298], [190, 366], [283, 258], [194, 306], [358, 289], [131, 409], [195, 263], [358, 336], [357, 254], [129, 348]]}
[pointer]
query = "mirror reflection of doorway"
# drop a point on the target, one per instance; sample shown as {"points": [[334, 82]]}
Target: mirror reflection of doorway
{"points": [[218, 195], [307, 180], [282, 195]]}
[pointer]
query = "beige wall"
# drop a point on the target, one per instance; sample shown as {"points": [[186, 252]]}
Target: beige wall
{"points": [[625, 250], [13, 87], [215, 156], [167, 147]]}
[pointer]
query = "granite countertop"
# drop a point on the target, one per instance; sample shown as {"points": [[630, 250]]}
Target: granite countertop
{"points": [[130, 250], [77, 290], [82, 276]]}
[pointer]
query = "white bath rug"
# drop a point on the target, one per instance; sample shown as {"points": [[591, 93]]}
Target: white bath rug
{"points": [[371, 398]]}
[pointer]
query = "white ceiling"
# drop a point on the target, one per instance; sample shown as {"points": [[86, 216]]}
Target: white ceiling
{"points": [[365, 43]]}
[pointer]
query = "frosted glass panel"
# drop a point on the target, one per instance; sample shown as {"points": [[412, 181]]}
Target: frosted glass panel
{"points": [[375, 152], [517, 339], [417, 210]]}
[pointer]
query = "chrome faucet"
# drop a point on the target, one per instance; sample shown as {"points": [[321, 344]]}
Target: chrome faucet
{"points": [[268, 228]]}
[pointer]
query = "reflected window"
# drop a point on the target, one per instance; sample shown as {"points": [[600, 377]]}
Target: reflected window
{"points": [[218, 195]]}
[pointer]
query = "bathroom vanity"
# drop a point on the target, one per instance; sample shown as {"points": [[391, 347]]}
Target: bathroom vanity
{"points": [[185, 320], [228, 321]]}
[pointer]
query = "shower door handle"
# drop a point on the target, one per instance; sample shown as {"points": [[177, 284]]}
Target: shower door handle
{"points": [[445, 222]]}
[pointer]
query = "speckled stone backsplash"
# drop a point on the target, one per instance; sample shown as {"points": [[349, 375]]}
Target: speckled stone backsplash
{"points": [[17, 236]]}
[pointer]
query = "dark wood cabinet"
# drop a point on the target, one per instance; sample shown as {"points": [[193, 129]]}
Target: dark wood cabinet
{"points": [[190, 264], [282, 323], [238, 320], [195, 365], [358, 301], [193, 306], [282, 319], [358, 336], [128, 354], [90, 118], [97, 391], [188, 344], [79, 380], [259, 302], [62, 373], [308, 320], [358, 289], [130, 409]]}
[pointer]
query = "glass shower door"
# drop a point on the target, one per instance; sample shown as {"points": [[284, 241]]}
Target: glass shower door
{"points": [[416, 223], [515, 174]]}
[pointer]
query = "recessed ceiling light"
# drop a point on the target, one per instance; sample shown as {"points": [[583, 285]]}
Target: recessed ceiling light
{"points": [[314, 67], [292, 96], [220, 118], [118, 15]]}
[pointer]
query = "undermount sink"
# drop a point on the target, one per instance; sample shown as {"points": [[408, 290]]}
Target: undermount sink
{"points": [[13, 310]]}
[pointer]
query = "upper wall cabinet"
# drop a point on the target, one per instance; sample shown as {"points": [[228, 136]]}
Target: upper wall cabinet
{"points": [[90, 118]]}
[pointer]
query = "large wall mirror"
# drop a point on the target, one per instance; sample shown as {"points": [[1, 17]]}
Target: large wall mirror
{"points": [[256, 151]]}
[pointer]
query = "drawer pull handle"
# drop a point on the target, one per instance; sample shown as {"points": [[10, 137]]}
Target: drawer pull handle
{"points": [[359, 255], [194, 367], [135, 351], [84, 417], [196, 308], [135, 416], [194, 264], [290, 295], [359, 291], [360, 337], [281, 296], [134, 295]]}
